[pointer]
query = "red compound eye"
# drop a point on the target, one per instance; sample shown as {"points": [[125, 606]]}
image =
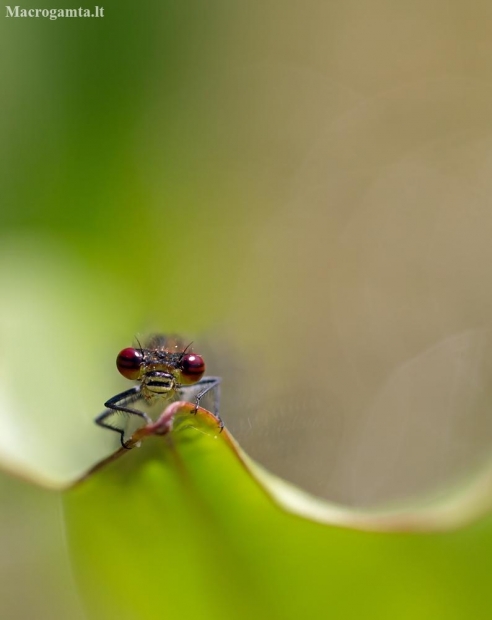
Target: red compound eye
{"points": [[192, 368], [128, 363]]}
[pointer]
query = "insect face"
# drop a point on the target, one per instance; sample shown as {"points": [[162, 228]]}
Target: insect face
{"points": [[159, 370]]}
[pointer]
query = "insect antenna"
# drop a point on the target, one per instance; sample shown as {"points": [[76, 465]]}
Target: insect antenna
{"points": [[185, 350], [139, 346]]}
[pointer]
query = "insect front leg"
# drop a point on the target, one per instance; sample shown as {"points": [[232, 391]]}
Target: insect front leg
{"points": [[119, 403]]}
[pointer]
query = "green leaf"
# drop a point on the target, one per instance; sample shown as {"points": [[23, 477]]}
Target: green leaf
{"points": [[179, 529]]}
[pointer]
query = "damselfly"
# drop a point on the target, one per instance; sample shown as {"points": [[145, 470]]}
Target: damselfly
{"points": [[165, 370]]}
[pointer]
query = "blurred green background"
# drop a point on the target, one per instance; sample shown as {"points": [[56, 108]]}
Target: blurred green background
{"points": [[303, 188]]}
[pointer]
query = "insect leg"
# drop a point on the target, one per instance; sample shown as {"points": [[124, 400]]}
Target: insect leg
{"points": [[119, 403], [206, 384]]}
